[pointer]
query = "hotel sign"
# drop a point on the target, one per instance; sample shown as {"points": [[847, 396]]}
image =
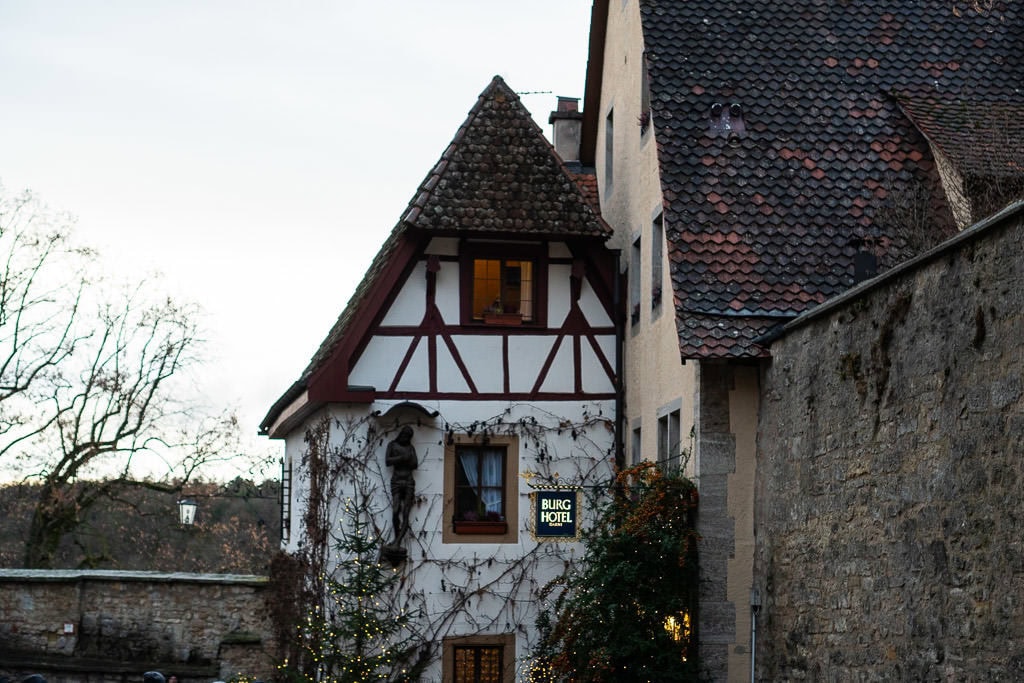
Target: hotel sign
{"points": [[556, 514]]}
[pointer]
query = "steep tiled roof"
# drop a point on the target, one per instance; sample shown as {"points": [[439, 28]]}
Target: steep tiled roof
{"points": [[587, 182], [982, 138], [499, 176], [782, 146]]}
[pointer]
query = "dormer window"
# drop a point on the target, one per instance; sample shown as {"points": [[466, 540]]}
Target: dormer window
{"points": [[501, 284]]}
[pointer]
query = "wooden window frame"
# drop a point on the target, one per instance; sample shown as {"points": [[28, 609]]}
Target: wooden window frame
{"points": [[506, 641], [535, 253], [482, 533]]}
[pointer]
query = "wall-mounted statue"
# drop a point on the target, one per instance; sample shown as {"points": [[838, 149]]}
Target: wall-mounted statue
{"points": [[401, 456]]}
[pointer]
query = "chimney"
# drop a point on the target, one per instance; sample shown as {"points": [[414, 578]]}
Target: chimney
{"points": [[567, 123]]}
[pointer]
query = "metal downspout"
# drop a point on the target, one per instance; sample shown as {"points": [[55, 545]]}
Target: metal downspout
{"points": [[620, 391]]}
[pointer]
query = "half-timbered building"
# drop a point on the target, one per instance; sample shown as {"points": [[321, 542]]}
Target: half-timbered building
{"points": [[487, 325]]}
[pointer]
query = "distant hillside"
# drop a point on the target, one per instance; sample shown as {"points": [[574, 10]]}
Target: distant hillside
{"points": [[237, 529]]}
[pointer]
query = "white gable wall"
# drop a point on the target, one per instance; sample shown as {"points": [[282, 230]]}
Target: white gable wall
{"points": [[502, 580], [482, 354], [410, 304]]}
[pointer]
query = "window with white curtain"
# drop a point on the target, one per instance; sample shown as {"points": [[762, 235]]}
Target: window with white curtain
{"points": [[481, 487], [480, 484]]}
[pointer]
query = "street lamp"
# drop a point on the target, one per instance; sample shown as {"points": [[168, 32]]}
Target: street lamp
{"points": [[187, 511]]}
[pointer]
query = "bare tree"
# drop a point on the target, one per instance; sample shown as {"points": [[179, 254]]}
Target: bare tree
{"points": [[42, 278], [89, 381]]}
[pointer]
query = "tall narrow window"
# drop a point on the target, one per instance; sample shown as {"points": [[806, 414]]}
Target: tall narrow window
{"points": [[479, 484], [645, 98], [609, 151], [657, 241], [634, 449], [634, 281], [669, 446]]}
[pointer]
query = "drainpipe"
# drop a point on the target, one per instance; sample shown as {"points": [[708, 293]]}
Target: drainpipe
{"points": [[620, 392], [755, 607]]}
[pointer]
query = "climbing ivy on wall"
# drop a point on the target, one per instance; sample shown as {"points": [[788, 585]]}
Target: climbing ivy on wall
{"points": [[627, 610], [346, 455]]}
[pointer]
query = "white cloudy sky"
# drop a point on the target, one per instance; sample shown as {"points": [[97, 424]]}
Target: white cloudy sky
{"points": [[257, 153]]}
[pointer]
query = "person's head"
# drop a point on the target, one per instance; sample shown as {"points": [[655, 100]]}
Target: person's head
{"points": [[405, 434], [153, 677]]}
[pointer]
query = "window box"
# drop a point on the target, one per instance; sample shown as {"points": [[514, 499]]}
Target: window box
{"points": [[485, 527], [503, 318]]}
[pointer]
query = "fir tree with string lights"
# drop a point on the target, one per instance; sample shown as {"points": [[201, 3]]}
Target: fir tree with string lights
{"points": [[627, 611], [359, 633]]}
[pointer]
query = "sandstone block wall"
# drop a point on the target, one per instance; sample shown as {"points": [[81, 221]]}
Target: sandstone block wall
{"points": [[890, 519], [112, 626]]}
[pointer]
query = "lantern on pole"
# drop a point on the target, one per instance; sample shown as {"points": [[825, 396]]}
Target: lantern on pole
{"points": [[187, 511]]}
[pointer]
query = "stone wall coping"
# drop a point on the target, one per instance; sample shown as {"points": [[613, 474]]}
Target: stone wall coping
{"points": [[975, 231], [70, 575]]}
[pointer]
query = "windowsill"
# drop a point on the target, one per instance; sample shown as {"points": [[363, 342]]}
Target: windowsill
{"points": [[479, 528], [503, 319]]}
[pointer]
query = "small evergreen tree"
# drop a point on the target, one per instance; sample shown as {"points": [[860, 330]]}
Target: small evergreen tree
{"points": [[359, 633], [628, 611]]}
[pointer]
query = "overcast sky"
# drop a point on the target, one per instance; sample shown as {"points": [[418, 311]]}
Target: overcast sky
{"points": [[257, 153]]}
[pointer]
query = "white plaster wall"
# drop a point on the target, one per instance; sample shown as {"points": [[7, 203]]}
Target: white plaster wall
{"points": [[558, 293], [448, 292], [376, 367], [526, 356], [592, 309], [411, 302], [482, 356], [416, 376], [501, 580], [561, 374], [449, 377]]}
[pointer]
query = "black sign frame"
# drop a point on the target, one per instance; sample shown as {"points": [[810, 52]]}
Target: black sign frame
{"points": [[555, 514]]}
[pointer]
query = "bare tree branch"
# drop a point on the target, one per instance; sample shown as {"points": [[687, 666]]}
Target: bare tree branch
{"points": [[89, 377]]}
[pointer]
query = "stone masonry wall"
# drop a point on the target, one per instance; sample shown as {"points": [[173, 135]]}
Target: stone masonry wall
{"points": [[891, 499], [107, 626]]}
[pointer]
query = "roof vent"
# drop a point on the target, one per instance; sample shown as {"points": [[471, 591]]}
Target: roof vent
{"points": [[727, 121]]}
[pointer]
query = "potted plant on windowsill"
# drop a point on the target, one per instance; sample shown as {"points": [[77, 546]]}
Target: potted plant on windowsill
{"points": [[472, 523], [495, 314]]}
